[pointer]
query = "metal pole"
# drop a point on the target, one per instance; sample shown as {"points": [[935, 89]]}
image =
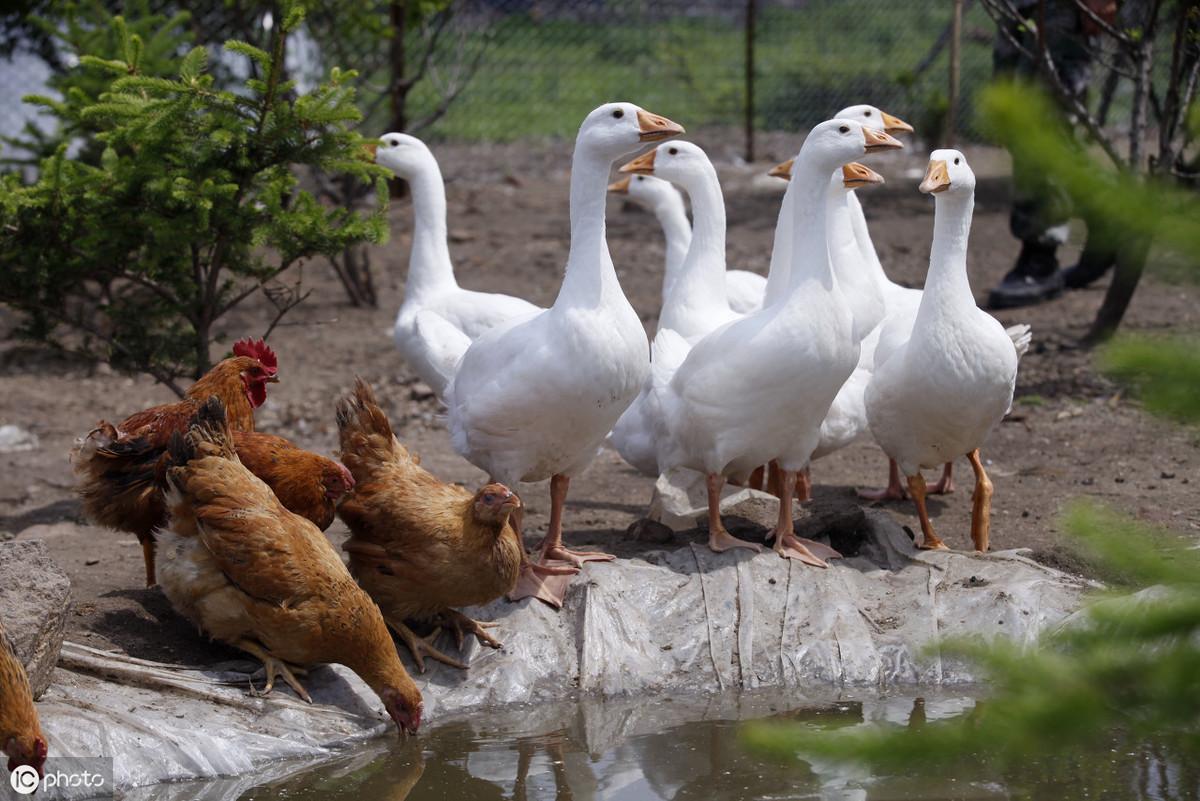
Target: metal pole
{"points": [[955, 73], [749, 66]]}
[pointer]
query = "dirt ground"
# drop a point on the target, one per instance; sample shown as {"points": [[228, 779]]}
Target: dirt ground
{"points": [[1072, 433]]}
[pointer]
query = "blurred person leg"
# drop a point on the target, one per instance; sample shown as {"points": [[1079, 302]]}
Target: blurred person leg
{"points": [[1041, 210]]}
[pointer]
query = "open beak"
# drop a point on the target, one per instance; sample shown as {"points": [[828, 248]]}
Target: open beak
{"points": [[878, 140], [782, 170], [894, 124], [653, 128], [620, 187], [642, 165], [272, 379], [511, 502], [937, 178], [855, 175]]}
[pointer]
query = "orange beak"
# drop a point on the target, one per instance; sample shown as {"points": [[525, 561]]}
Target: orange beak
{"points": [[370, 148], [653, 128], [895, 124], [878, 140], [642, 165], [620, 187], [937, 178], [782, 170], [855, 175]]}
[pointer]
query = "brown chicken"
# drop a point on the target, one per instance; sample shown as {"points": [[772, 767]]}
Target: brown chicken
{"points": [[21, 735], [252, 574], [115, 465], [421, 546], [306, 483]]}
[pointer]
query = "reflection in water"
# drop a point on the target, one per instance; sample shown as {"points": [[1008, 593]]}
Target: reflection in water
{"points": [[630, 750]]}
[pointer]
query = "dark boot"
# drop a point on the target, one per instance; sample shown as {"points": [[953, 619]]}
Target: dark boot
{"points": [[1094, 262], [1035, 278]]}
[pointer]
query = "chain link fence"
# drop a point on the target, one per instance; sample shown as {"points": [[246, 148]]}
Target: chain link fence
{"points": [[519, 68]]}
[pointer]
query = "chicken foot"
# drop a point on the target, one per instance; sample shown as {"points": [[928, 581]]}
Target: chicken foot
{"points": [[787, 544], [420, 647], [719, 539], [460, 626], [273, 666]]}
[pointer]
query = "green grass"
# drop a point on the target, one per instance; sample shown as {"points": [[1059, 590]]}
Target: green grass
{"points": [[542, 77]]}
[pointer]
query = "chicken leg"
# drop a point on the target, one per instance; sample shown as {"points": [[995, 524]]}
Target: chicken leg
{"points": [[719, 539], [930, 541], [981, 507], [148, 546], [894, 491], [273, 665], [420, 647], [787, 544]]}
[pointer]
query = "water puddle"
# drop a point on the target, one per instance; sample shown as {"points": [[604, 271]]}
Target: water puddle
{"points": [[685, 748]]}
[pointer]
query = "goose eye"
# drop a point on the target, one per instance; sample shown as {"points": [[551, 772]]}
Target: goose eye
{"points": [[956, 161], [844, 129], [619, 113], [867, 113], [641, 177], [673, 151]]}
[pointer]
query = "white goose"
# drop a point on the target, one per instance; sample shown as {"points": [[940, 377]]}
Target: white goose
{"points": [[438, 319], [695, 301], [743, 288], [535, 399], [756, 390], [939, 394]]}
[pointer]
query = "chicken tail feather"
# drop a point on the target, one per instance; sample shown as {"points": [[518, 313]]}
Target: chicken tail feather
{"points": [[208, 434], [367, 441]]}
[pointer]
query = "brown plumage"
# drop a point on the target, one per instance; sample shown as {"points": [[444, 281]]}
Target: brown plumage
{"points": [[420, 546], [21, 735], [305, 482], [115, 465], [252, 574]]}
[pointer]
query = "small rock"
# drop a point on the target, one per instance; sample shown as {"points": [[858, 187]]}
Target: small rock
{"points": [[90, 562], [14, 439], [1119, 479], [35, 596], [651, 531], [421, 391], [1166, 476]]}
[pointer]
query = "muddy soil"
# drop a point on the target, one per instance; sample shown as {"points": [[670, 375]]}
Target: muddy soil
{"points": [[1072, 433]]}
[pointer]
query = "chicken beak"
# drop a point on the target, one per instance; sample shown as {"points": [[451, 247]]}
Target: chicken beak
{"points": [[782, 170], [272, 379], [642, 165], [620, 187], [894, 124], [937, 178], [855, 175], [878, 140], [653, 128]]}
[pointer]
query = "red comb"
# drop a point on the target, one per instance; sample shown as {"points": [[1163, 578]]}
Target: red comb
{"points": [[257, 349]]}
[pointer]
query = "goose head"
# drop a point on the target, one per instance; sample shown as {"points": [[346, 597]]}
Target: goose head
{"points": [[852, 175], [837, 142], [615, 129], [948, 172], [645, 190], [404, 155], [874, 118], [681, 163]]}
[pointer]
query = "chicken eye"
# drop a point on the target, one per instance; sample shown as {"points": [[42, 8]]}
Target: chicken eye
{"points": [[619, 113], [488, 497], [844, 129]]}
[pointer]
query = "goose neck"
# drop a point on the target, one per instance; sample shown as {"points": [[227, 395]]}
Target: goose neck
{"points": [[429, 267], [810, 248], [678, 232], [701, 282], [946, 283], [590, 275]]}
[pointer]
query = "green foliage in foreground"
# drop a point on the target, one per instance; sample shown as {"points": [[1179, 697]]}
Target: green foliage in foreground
{"points": [[183, 201]]}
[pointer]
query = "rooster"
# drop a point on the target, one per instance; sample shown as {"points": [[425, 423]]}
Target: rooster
{"points": [[21, 735], [120, 467], [252, 574], [418, 545]]}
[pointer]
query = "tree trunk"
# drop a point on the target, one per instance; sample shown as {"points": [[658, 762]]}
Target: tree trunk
{"points": [[398, 11], [951, 133], [751, 24]]}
